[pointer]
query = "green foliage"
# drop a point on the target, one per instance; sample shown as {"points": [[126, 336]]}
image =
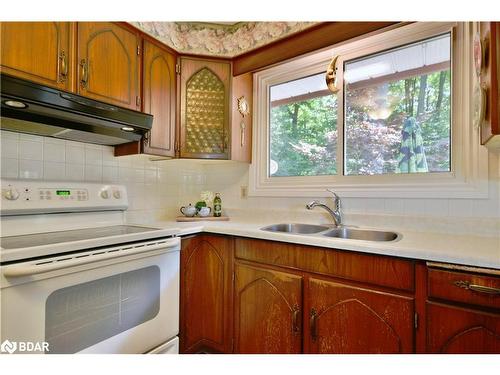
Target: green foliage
{"points": [[304, 134], [304, 137]]}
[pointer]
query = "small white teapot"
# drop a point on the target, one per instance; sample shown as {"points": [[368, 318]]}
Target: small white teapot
{"points": [[189, 210], [204, 211]]}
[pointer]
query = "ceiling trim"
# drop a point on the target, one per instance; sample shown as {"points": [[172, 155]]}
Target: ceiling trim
{"points": [[220, 39]]}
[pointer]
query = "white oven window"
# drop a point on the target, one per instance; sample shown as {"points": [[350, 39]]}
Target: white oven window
{"points": [[83, 315]]}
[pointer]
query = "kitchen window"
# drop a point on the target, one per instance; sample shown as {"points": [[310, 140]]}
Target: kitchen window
{"points": [[399, 124]]}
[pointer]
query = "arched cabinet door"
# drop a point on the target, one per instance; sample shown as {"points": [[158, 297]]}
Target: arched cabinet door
{"points": [[346, 319], [206, 294], [159, 99], [267, 311], [461, 331], [204, 108], [38, 51], [108, 64]]}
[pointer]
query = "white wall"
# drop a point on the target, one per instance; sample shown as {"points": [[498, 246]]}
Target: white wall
{"points": [[158, 188], [448, 215]]}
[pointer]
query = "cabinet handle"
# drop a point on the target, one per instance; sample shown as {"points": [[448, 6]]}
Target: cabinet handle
{"points": [[145, 139], [63, 61], [313, 325], [477, 288], [242, 134], [295, 320], [85, 73], [331, 76]]}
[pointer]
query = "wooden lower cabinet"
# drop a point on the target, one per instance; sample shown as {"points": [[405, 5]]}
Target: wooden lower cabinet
{"points": [[254, 296], [267, 316], [206, 294], [345, 319], [461, 331]]}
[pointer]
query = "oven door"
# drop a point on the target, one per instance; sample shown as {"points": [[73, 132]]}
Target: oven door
{"points": [[112, 300]]}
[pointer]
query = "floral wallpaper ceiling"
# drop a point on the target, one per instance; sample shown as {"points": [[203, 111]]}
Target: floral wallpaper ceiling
{"points": [[224, 39]]}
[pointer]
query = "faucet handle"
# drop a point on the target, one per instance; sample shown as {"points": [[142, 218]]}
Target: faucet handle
{"points": [[336, 198], [334, 194]]}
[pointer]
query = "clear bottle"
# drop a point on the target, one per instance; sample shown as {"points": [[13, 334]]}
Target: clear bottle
{"points": [[217, 205]]}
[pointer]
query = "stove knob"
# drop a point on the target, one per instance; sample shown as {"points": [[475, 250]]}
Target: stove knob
{"points": [[11, 194], [117, 194], [105, 194]]}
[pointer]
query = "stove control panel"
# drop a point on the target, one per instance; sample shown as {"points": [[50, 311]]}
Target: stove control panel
{"points": [[32, 196]]}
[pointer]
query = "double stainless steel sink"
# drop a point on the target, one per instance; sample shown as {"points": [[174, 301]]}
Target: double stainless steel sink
{"points": [[336, 232]]}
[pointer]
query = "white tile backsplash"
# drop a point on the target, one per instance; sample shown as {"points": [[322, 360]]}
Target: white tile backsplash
{"points": [[10, 167], [158, 188], [75, 172], [30, 169], [153, 186], [75, 153], [53, 170], [55, 152], [31, 150]]}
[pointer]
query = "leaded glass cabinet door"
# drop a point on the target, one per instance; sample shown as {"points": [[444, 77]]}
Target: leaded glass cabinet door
{"points": [[204, 125]]}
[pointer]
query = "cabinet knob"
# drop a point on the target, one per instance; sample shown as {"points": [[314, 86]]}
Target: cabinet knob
{"points": [[11, 194]]}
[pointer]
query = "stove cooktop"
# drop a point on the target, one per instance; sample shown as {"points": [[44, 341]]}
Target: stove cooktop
{"points": [[50, 238]]}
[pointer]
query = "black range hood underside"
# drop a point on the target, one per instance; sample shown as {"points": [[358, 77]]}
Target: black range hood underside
{"points": [[59, 114]]}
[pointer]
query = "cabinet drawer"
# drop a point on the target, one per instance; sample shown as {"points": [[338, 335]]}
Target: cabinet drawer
{"points": [[374, 269], [464, 287]]}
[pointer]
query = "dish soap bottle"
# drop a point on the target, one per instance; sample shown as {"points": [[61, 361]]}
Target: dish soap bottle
{"points": [[217, 205]]}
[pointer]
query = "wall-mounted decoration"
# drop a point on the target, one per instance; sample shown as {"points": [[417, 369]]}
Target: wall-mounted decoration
{"points": [[478, 51], [243, 106]]}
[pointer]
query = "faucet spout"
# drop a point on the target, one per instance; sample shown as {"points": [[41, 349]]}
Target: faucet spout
{"points": [[335, 213]]}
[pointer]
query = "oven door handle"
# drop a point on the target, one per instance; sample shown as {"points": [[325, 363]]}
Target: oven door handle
{"points": [[28, 269]]}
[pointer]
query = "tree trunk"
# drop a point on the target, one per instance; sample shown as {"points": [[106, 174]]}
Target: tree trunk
{"points": [[421, 94], [442, 78], [409, 95], [295, 118]]}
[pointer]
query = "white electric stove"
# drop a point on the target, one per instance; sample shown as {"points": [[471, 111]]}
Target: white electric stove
{"points": [[76, 278]]}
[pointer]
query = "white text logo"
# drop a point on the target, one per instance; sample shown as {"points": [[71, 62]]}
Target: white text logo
{"points": [[24, 346]]}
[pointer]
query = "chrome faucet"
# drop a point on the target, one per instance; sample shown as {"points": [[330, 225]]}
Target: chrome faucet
{"points": [[336, 214]]}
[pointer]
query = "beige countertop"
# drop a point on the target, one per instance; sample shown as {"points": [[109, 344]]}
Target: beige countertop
{"points": [[467, 250]]}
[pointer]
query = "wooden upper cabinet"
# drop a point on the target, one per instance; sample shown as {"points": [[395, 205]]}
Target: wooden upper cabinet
{"points": [[159, 99], [241, 125], [490, 76], [206, 294], [204, 119], [343, 319], [108, 64], [38, 51], [461, 331], [267, 311]]}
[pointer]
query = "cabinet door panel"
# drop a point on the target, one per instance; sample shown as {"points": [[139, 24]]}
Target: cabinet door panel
{"points": [[267, 311], [346, 319], [38, 51], [159, 99], [461, 331], [206, 291], [108, 64], [204, 123]]}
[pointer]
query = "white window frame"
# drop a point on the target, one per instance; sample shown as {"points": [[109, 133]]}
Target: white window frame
{"points": [[469, 160]]}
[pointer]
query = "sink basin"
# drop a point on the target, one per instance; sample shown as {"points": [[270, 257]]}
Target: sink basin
{"points": [[361, 234], [296, 228]]}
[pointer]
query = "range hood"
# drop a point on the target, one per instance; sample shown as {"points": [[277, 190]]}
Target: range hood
{"points": [[42, 110]]}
